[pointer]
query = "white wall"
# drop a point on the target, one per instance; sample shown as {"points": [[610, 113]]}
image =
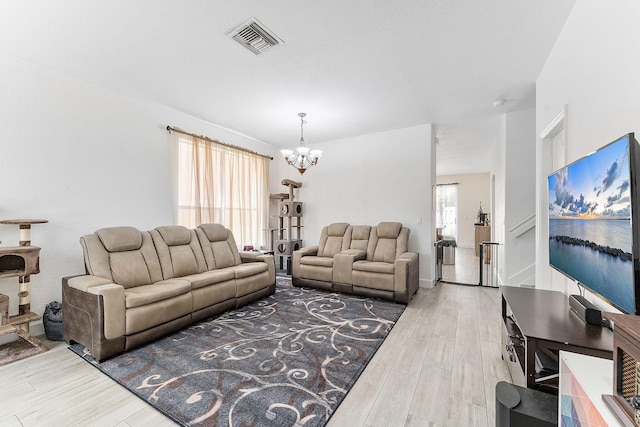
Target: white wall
{"points": [[498, 174], [84, 158], [473, 189], [385, 176], [593, 70], [519, 239], [513, 167]]}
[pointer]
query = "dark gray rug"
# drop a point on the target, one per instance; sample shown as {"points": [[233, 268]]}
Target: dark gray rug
{"points": [[286, 360]]}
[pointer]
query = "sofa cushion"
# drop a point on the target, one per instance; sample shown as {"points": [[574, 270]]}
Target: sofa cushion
{"points": [[315, 260], [214, 232], [383, 243], [374, 267], [249, 269], [317, 272], [136, 267], [209, 278], [175, 235], [332, 239], [368, 279], [207, 296], [96, 257], [120, 239], [183, 261], [218, 245], [129, 269], [385, 251], [124, 255], [148, 294], [223, 255], [388, 230], [179, 251], [360, 237], [148, 316]]}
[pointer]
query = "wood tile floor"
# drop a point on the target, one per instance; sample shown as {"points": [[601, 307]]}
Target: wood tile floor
{"points": [[465, 268], [438, 367]]}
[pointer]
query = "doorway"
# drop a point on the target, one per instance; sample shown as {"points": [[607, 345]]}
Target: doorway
{"points": [[447, 211], [458, 260], [464, 271]]}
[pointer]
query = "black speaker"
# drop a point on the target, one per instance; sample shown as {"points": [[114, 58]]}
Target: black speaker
{"points": [[524, 407], [585, 310]]}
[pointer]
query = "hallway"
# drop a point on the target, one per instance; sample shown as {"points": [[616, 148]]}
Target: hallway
{"points": [[464, 270]]}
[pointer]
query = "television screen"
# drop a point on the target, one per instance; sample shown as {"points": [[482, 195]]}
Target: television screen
{"points": [[591, 235]]}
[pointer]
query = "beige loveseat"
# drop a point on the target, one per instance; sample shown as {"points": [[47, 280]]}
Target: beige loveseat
{"points": [[141, 285], [363, 260]]}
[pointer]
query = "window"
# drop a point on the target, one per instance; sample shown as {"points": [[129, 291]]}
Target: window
{"points": [[447, 210], [223, 184]]}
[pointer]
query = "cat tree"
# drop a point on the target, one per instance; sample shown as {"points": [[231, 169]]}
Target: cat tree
{"points": [[19, 261], [289, 225]]}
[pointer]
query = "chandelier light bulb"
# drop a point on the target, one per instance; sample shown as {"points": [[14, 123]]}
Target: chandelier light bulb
{"points": [[316, 154]]}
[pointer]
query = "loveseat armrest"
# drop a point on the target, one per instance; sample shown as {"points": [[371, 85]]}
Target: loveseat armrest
{"points": [[307, 251], [407, 271], [356, 254], [343, 265], [297, 256]]}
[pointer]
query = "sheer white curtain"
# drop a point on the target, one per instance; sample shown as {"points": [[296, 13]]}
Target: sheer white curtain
{"points": [[447, 210], [222, 184]]}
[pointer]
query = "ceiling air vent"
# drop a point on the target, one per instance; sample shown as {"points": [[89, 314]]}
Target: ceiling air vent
{"points": [[254, 36]]}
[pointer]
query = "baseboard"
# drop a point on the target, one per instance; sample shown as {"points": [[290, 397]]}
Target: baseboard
{"points": [[425, 283]]}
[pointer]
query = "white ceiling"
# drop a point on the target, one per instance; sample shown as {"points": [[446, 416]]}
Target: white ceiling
{"points": [[354, 66]]}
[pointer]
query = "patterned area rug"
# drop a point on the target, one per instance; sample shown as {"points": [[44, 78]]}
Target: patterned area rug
{"points": [[286, 360]]}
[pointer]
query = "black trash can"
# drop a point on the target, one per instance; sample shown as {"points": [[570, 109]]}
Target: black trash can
{"points": [[52, 321]]}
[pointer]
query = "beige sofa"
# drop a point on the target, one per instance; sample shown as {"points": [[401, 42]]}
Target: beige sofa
{"points": [[363, 260], [142, 285]]}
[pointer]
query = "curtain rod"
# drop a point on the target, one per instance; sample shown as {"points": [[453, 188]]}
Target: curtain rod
{"points": [[206, 138]]}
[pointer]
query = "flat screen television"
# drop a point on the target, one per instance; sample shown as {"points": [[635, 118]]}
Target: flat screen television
{"points": [[594, 222]]}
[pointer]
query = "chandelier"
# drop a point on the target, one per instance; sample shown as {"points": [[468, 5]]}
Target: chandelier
{"points": [[302, 158]]}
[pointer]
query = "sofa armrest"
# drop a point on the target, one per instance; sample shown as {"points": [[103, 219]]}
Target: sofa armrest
{"points": [[83, 283], [271, 264], [307, 251], [254, 256], [251, 256], [85, 318], [356, 254], [113, 303], [406, 274], [297, 255], [343, 265], [114, 308]]}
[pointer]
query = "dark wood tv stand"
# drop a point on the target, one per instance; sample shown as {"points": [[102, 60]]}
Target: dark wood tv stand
{"points": [[535, 319]]}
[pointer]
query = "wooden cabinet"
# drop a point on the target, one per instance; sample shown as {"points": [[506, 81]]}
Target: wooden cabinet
{"points": [[483, 234], [541, 320], [626, 368]]}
